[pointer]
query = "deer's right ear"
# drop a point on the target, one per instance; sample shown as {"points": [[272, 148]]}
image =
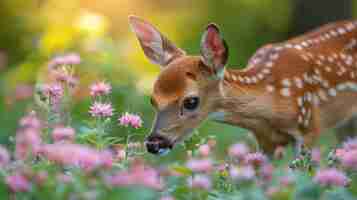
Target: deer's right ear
{"points": [[214, 50], [156, 47]]}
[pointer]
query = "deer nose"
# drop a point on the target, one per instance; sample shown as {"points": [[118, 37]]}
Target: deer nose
{"points": [[157, 144]]}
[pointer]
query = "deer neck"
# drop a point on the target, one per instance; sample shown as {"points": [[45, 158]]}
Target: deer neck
{"points": [[237, 104]]}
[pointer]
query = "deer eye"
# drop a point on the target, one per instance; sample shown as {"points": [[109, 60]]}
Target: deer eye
{"points": [[191, 103]]}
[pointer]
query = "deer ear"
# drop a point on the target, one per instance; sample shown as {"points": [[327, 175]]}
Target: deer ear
{"points": [[214, 50], [156, 47]]}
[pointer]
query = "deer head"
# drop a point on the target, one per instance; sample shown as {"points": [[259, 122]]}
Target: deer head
{"points": [[187, 88]]}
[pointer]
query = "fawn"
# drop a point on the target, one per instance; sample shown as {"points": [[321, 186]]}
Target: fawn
{"points": [[290, 91]]}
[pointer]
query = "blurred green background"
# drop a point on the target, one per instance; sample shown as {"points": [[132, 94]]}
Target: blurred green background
{"points": [[33, 31]]}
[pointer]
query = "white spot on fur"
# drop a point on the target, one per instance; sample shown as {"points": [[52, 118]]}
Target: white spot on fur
{"points": [[285, 92], [286, 82], [270, 88], [300, 101], [332, 92], [322, 94], [298, 82]]}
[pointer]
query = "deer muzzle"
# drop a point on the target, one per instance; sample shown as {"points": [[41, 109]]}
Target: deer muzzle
{"points": [[158, 145]]}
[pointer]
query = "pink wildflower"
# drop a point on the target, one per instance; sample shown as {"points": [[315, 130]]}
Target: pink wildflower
{"points": [[73, 59], [63, 134], [349, 159], [54, 91], [316, 155], [331, 177], [238, 151], [130, 120], [68, 59], [100, 88], [77, 155], [200, 182], [350, 144], [256, 159], [340, 152], [204, 150], [4, 157], [137, 175], [202, 165], [28, 141], [266, 172], [28, 137], [167, 198], [245, 173], [64, 77], [18, 183], [101, 109], [30, 121]]}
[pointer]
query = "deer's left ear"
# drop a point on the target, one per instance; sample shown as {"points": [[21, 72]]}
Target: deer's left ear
{"points": [[156, 46], [214, 50]]}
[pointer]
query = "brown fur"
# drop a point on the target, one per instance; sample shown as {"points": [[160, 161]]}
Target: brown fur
{"points": [[272, 116]]}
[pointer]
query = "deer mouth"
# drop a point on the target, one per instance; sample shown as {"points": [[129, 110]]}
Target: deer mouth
{"points": [[158, 145]]}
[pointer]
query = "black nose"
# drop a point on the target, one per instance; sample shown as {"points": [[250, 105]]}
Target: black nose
{"points": [[157, 144]]}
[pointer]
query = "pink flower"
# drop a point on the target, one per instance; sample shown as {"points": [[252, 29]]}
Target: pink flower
{"points": [[167, 198], [64, 77], [137, 175], [130, 120], [77, 155], [28, 141], [18, 183], [340, 152], [101, 110], [69, 59], [350, 144], [63, 134], [204, 150], [4, 157], [28, 137], [30, 121], [316, 155], [54, 91], [200, 182], [238, 151], [202, 165], [245, 173], [266, 172], [349, 159], [331, 177], [73, 59], [256, 159], [100, 88]]}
